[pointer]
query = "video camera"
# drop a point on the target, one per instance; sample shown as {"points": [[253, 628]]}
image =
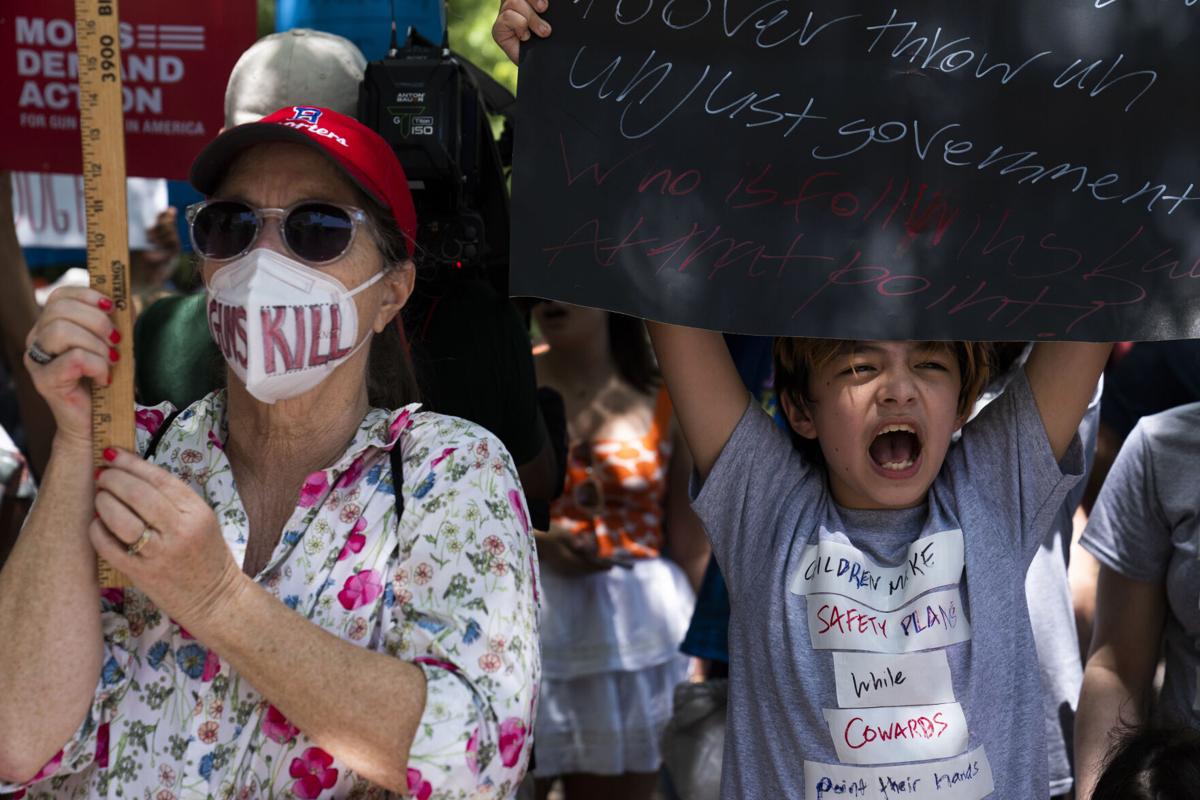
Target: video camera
{"points": [[431, 105]]}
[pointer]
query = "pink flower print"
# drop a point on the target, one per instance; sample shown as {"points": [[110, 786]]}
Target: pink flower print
{"points": [[102, 746], [349, 512], [360, 589], [49, 769], [277, 727], [435, 662], [357, 629], [212, 667], [355, 541], [166, 775], [518, 506], [481, 449], [494, 545], [404, 597], [216, 707], [190, 456], [499, 569], [312, 773], [399, 424], [490, 662], [149, 419], [533, 579], [512, 739], [214, 441], [352, 474], [207, 732], [165, 794], [423, 574], [313, 488], [445, 454], [114, 597], [496, 644], [418, 788], [472, 751]]}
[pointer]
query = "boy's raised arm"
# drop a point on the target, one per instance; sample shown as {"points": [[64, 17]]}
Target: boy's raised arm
{"points": [[1063, 378], [708, 395]]}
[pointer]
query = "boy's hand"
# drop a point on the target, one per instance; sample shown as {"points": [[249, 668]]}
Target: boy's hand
{"points": [[516, 20]]}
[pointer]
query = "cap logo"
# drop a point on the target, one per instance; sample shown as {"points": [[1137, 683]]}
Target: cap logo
{"points": [[306, 114], [305, 118]]}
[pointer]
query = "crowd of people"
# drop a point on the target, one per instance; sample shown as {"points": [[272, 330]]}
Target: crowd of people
{"points": [[380, 553]]}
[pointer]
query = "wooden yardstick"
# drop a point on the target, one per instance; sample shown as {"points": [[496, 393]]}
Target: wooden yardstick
{"points": [[102, 125]]}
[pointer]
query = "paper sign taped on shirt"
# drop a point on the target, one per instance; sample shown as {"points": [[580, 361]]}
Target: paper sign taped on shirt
{"points": [[895, 734], [936, 619], [866, 680], [834, 567], [967, 777]]}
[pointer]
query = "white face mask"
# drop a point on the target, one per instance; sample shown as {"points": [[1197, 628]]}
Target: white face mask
{"points": [[282, 326]]}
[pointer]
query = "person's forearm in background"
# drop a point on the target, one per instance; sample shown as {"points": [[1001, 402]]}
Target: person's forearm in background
{"points": [[18, 312], [1120, 669]]}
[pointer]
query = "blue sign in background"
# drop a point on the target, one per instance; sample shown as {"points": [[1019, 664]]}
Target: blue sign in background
{"points": [[364, 22]]}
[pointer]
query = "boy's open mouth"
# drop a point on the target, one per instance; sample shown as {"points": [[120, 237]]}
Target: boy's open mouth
{"points": [[896, 447]]}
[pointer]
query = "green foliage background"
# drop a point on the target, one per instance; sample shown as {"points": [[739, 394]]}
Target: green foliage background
{"points": [[470, 23]]}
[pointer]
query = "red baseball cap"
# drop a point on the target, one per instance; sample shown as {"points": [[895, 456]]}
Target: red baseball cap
{"points": [[357, 151]]}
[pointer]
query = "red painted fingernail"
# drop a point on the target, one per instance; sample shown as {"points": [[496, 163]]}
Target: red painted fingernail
{"points": [[110, 454], [105, 304], [96, 476], [113, 355], [115, 336]]}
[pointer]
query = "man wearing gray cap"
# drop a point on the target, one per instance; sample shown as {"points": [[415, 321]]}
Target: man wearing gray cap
{"points": [[298, 66]]}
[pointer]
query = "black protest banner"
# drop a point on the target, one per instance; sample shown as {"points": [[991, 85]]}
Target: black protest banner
{"points": [[995, 169]]}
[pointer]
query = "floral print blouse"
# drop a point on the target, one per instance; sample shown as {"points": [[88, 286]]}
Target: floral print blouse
{"points": [[449, 586]]}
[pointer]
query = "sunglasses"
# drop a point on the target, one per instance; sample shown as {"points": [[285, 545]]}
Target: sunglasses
{"points": [[312, 231]]}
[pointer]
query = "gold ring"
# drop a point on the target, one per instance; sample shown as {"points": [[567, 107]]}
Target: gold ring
{"points": [[137, 546]]}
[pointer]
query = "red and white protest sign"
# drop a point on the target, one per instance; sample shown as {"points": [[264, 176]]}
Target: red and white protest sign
{"points": [[175, 59]]}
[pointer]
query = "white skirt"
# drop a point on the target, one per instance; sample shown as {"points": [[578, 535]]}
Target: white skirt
{"points": [[610, 664], [620, 620]]}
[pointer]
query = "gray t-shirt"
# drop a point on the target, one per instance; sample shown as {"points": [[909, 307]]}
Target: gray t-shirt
{"points": [[1051, 609], [885, 654], [1145, 525]]}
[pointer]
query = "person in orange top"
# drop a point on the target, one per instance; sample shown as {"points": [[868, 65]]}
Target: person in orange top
{"points": [[620, 562]]}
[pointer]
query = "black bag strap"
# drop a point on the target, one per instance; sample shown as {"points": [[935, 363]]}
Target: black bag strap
{"points": [[157, 436], [397, 458]]}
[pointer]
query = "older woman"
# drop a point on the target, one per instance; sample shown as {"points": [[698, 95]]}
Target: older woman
{"points": [[330, 598]]}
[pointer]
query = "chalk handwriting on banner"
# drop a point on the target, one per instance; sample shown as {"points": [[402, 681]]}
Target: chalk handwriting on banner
{"points": [[831, 566], [48, 209], [967, 777], [895, 734], [866, 169], [175, 59], [933, 620], [871, 679]]}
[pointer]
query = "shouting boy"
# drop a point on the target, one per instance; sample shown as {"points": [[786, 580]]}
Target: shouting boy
{"points": [[880, 641]]}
